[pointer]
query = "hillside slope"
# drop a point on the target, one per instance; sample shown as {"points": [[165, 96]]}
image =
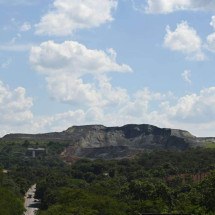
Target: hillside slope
{"points": [[98, 141]]}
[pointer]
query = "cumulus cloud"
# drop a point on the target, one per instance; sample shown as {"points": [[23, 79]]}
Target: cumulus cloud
{"points": [[193, 108], [74, 58], [186, 75], [14, 105], [140, 106], [184, 39], [167, 6], [79, 76], [211, 42], [136, 109], [16, 115], [112, 96], [75, 15], [57, 122], [65, 66], [194, 112], [69, 89]]}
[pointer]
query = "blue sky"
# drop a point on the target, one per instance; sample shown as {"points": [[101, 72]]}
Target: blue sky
{"points": [[111, 62]]}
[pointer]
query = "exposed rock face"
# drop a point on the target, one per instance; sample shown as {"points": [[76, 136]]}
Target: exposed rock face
{"points": [[98, 141], [135, 136]]}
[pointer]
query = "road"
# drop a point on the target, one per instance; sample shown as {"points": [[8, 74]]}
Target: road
{"points": [[31, 204]]}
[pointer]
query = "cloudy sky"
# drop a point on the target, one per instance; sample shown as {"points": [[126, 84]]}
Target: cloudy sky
{"points": [[111, 62]]}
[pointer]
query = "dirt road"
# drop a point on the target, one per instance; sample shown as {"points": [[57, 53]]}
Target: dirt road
{"points": [[31, 204]]}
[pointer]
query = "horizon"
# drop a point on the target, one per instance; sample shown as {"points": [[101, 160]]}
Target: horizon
{"points": [[105, 127]]}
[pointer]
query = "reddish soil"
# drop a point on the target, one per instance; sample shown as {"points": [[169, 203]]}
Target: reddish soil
{"points": [[186, 177]]}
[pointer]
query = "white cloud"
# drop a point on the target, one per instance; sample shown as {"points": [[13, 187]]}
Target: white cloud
{"points": [[14, 106], [186, 75], [15, 110], [78, 75], [58, 122], [210, 45], [212, 23], [74, 58], [185, 40], [69, 89], [193, 108], [193, 112], [65, 67], [140, 107], [169, 6], [112, 96], [75, 15], [25, 27], [136, 109], [211, 42]]}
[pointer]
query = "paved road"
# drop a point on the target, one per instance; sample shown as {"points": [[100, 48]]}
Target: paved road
{"points": [[31, 204]]}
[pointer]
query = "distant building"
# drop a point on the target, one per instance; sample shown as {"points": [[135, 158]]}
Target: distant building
{"points": [[5, 171], [106, 174], [34, 152]]}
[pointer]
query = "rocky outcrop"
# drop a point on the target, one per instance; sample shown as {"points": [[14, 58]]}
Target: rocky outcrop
{"points": [[98, 141], [135, 136]]}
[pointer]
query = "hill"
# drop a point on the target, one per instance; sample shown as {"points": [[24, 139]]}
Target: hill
{"points": [[98, 141]]}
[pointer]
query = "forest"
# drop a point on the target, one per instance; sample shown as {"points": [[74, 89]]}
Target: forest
{"points": [[156, 182]]}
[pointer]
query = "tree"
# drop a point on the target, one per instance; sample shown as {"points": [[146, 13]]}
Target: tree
{"points": [[207, 189], [9, 203]]}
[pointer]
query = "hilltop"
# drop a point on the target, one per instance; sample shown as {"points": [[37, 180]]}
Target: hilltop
{"points": [[98, 141]]}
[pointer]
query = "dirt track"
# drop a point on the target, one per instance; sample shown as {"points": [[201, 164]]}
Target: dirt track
{"points": [[31, 204]]}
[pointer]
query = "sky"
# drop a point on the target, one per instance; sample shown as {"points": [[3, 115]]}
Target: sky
{"points": [[110, 62]]}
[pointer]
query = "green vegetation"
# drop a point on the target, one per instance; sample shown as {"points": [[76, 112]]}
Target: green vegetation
{"points": [[132, 186], [10, 199], [153, 182], [210, 145]]}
